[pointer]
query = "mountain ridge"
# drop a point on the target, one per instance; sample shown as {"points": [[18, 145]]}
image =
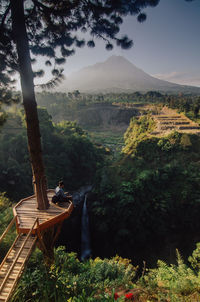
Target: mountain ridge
{"points": [[117, 74]]}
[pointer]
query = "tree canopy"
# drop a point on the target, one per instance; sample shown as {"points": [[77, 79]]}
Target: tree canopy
{"points": [[52, 28], [48, 28], [29, 28]]}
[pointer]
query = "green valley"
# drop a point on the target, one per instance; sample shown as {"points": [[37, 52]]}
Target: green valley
{"points": [[144, 204]]}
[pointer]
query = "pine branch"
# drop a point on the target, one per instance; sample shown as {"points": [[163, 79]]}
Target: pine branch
{"points": [[4, 17], [40, 5], [53, 82]]}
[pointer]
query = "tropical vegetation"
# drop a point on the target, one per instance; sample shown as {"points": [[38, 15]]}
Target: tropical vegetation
{"points": [[144, 205]]}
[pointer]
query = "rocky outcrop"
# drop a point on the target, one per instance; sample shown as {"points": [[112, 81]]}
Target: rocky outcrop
{"points": [[105, 115]]}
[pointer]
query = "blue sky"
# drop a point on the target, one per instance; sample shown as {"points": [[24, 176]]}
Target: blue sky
{"points": [[166, 45]]}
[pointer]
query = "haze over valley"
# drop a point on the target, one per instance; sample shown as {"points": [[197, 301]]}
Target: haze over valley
{"points": [[117, 74], [99, 151]]}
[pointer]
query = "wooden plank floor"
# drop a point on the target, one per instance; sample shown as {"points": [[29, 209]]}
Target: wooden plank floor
{"points": [[13, 264], [28, 220], [26, 212]]}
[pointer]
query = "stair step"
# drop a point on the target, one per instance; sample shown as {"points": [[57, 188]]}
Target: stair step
{"points": [[17, 263]]}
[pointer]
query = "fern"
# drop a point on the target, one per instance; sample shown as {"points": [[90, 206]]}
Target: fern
{"points": [[174, 283]]}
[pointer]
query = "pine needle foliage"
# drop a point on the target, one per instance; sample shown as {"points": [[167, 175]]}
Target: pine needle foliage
{"points": [[49, 28], [52, 26]]}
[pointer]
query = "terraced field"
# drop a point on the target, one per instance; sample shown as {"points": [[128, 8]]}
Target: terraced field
{"points": [[168, 120]]}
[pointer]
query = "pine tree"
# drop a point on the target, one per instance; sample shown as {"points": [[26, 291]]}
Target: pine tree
{"points": [[29, 28]]}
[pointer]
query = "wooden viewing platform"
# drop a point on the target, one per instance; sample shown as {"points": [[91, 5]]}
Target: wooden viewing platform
{"points": [[29, 223], [26, 212]]}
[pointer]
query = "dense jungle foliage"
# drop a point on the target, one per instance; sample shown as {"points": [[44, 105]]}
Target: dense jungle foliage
{"points": [[109, 280], [144, 205], [68, 155], [189, 105], [148, 199], [6, 216], [75, 105]]}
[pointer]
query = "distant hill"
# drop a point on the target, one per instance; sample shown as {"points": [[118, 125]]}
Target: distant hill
{"points": [[117, 74]]}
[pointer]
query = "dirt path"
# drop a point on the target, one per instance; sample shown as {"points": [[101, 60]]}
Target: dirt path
{"points": [[168, 120]]}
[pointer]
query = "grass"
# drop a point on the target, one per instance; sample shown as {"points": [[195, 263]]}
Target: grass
{"points": [[112, 138]]}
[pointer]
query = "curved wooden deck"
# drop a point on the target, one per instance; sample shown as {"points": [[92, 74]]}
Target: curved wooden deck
{"points": [[29, 223], [26, 213]]}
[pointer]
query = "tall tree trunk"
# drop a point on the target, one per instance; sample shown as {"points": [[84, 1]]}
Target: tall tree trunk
{"points": [[29, 102]]}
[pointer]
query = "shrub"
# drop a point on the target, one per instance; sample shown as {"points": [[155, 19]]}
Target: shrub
{"points": [[6, 216], [68, 278]]}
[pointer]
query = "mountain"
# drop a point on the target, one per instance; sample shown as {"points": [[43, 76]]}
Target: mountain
{"points": [[117, 74]]}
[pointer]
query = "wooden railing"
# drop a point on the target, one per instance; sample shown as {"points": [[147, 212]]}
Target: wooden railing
{"points": [[7, 229], [17, 256]]}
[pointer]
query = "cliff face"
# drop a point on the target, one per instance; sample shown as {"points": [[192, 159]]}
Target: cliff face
{"points": [[98, 115], [105, 115]]}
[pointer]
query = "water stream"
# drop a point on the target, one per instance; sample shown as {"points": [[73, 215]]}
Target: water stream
{"points": [[85, 232], [78, 198]]}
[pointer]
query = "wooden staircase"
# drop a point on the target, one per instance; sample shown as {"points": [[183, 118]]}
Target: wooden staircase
{"points": [[30, 222], [14, 262]]}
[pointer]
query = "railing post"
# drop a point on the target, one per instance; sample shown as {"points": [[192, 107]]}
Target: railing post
{"points": [[7, 229], [39, 235], [16, 258]]}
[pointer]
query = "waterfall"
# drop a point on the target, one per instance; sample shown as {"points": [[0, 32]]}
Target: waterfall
{"points": [[85, 232]]}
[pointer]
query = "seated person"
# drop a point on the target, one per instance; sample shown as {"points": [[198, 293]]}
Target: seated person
{"points": [[60, 195]]}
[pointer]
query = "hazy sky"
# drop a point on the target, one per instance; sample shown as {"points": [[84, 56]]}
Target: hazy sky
{"points": [[166, 45]]}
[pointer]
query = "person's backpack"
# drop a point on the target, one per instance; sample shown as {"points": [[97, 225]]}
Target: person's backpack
{"points": [[55, 199]]}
